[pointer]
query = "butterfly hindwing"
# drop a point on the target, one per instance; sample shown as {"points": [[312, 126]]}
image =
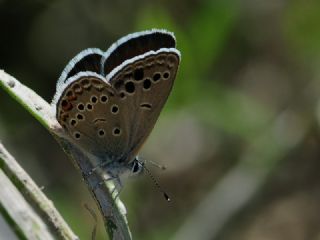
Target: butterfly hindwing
{"points": [[91, 112]]}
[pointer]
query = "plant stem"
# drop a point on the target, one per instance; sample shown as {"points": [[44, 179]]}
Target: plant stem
{"points": [[24, 183]]}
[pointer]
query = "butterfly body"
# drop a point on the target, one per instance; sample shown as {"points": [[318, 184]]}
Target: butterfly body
{"points": [[109, 102]]}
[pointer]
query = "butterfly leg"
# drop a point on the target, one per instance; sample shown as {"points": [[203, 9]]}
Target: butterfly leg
{"points": [[103, 181], [118, 188], [118, 184]]}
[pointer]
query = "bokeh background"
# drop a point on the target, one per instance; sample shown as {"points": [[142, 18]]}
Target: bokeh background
{"points": [[240, 132]]}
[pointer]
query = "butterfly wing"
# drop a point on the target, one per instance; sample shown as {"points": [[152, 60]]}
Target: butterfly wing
{"points": [[112, 117], [135, 44], [91, 112], [87, 60], [144, 83]]}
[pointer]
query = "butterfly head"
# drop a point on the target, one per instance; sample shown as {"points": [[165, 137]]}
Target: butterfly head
{"points": [[137, 167]]}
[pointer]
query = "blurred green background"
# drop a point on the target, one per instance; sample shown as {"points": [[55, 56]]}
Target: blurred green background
{"points": [[240, 132]]}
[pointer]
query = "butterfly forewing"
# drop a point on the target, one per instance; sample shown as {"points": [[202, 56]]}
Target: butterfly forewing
{"points": [[144, 85]]}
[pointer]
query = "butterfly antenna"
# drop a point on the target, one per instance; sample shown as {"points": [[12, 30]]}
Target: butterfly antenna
{"points": [[166, 196], [142, 160], [162, 167]]}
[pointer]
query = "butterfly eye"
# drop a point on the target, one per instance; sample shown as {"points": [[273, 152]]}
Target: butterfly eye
{"points": [[137, 167]]}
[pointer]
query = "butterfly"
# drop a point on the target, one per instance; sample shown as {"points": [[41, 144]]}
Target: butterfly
{"points": [[108, 102]]}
